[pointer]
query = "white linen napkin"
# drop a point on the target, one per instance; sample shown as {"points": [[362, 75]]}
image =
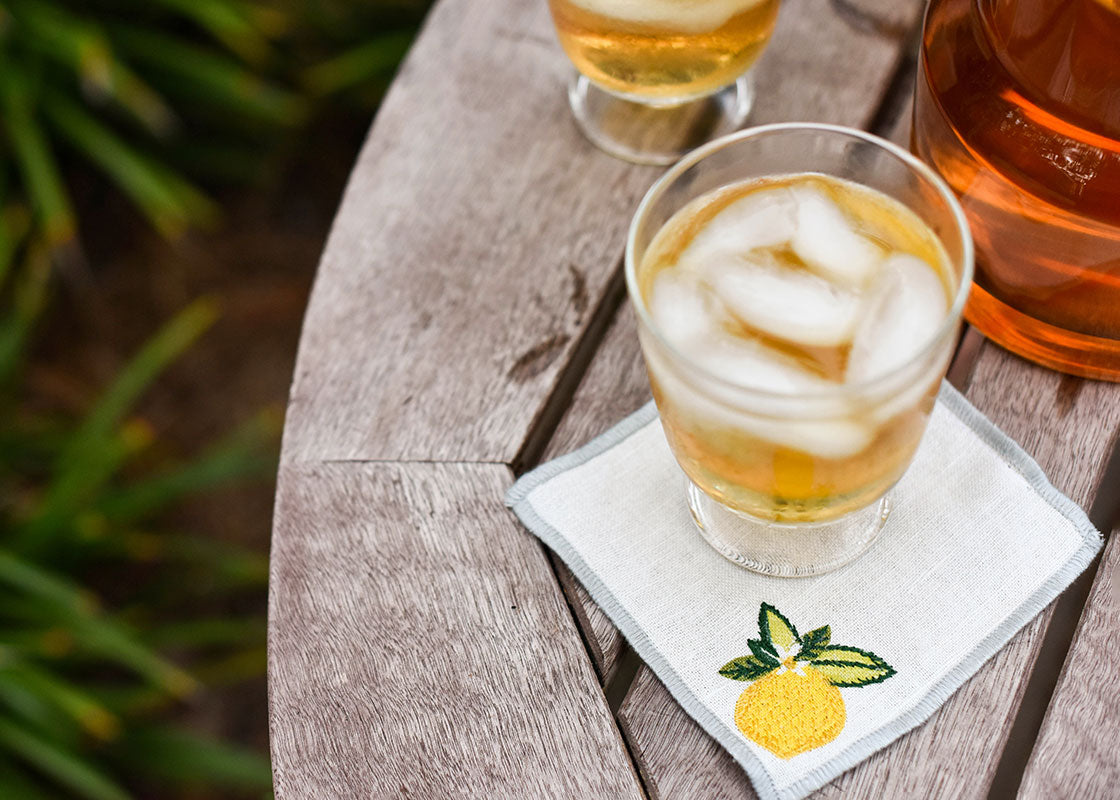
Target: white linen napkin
{"points": [[802, 678]]}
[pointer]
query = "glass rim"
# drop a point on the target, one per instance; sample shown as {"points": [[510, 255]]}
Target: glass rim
{"points": [[865, 387]]}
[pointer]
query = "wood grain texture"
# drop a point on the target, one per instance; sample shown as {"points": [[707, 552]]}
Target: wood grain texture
{"points": [[884, 17], [676, 757], [419, 645], [1075, 755], [476, 234], [820, 67]]}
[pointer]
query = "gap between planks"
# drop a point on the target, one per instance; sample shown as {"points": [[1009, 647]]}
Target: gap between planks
{"points": [[1069, 610], [556, 404]]}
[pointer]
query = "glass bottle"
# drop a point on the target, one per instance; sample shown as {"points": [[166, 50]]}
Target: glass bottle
{"points": [[1018, 107]]}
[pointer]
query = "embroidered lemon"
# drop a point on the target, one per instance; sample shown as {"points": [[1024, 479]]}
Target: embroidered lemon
{"points": [[808, 709], [793, 703]]}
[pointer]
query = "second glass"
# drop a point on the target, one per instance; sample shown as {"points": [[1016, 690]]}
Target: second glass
{"points": [[656, 78], [799, 290]]}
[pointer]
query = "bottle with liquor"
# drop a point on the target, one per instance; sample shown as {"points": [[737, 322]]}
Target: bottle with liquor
{"points": [[1018, 107]]}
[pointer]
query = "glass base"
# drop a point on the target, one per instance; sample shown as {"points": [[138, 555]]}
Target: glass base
{"points": [[1052, 347], [658, 133], [790, 551]]}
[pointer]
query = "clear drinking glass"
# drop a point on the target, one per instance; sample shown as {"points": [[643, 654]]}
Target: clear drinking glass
{"points": [[794, 482], [656, 78]]}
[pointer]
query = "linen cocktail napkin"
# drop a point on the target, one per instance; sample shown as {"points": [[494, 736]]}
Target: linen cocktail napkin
{"points": [[802, 678]]}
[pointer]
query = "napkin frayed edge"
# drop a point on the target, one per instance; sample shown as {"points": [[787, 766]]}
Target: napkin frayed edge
{"points": [[518, 499]]}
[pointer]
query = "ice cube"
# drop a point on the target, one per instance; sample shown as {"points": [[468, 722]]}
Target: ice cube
{"points": [[746, 362], [762, 219], [682, 309], [906, 308], [836, 438], [749, 363], [752, 364], [790, 304], [827, 242]]}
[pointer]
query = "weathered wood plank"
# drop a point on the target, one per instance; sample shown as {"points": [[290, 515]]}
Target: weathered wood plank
{"points": [[1067, 425], [818, 67], [662, 736], [476, 234], [1075, 755], [884, 17], [418, 645]]}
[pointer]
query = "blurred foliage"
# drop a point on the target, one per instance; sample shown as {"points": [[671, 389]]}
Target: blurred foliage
{"points": [[149, 92], [85, 678], [106, 618]]}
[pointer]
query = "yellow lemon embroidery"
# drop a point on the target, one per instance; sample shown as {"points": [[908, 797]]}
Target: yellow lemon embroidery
{"points": [[793, 704]]}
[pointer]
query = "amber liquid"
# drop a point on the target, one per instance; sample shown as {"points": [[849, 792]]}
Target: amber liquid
{"points": [[1018, 107], [670, 51], [744, 462]]}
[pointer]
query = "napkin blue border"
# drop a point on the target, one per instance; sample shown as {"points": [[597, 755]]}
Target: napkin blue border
{"points": [[517, 498]]}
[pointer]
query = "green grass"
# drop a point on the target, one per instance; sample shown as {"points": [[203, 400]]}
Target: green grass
{"points": [[110, 622]]}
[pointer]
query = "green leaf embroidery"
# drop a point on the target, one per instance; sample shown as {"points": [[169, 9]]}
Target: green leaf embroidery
{"points": [[840, 665], [764, 652], [745, 668], [850, 666], [813, 642], [775, 628]]}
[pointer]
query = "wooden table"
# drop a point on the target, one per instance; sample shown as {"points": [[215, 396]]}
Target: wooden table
{"points": [[468, 322]]}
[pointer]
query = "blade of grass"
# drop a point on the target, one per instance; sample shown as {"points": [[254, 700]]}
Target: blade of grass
{"points": [[61, 603], [168, 201], [85, 449], [98, 640], [201, 633], [233, 668], [173, 753], [112, 642], [245, 452], [29, 297], [228, 23], [374, 59], [73, 490], [67, 769], [221, 561], [42, 717], [212, 79], [34, 158], [37, 642], [80, 45], [93, 717], [134, 701], [44, 585], [15, 224], [16, 783]]}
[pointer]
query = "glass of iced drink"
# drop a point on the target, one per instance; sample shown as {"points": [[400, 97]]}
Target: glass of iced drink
{"points": [[799, 290], [656, 78]]}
